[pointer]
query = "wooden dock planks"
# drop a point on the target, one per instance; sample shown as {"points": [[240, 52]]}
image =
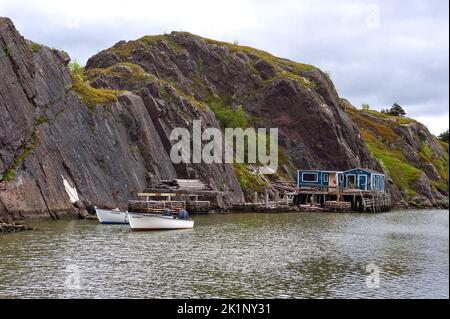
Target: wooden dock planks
{"points": [[155, 206], [335, 206]]}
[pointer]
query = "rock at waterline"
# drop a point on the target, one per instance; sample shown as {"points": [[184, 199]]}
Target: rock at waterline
{"points": [[14, 227]]}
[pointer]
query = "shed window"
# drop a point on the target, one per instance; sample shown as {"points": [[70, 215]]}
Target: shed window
{"points": [[351, 180], [341, 177], [325, 178], [310, 177]]}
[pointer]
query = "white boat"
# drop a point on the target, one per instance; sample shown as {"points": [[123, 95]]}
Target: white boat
{"points": [[144, 221], [111, 216]]}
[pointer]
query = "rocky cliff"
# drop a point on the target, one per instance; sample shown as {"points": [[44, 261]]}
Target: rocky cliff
{"points": [[181, 77], [415, 161], [104, 143], [104, 130]]}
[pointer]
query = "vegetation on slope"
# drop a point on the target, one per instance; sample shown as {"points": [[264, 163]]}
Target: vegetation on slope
{"points": [[89, 95], [35, 47], [280, 63], [10, 174], [283, 68], [385, 144], [229, 118], [443, 137], [402, 173], [238, 118], [226, 116], [129, 72], [126, 49]]}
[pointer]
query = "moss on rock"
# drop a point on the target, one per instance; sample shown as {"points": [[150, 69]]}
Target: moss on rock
{"points": [[92, 96], [10, 174]]}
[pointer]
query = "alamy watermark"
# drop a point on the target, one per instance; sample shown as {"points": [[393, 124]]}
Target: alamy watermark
{"points": [[73, 279], [373, 19], [373, 277], [249, 145]]}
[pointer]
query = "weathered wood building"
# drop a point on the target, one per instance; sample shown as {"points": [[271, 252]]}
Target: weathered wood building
{"points": [[357, 178], [357, 188]]}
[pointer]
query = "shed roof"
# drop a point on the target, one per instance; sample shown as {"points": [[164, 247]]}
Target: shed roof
{"points": [[366, 169], [338, 171]]}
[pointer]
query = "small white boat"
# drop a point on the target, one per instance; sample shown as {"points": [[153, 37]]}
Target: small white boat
{"points": [[111, 216], [144, 221]]}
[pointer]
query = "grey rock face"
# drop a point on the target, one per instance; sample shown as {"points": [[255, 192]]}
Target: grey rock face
{"points": [[301, 101], [108, 153], [91, 151]]}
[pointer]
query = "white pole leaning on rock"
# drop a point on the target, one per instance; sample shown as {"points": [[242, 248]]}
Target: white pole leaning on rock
{"points": [[71, 191]]}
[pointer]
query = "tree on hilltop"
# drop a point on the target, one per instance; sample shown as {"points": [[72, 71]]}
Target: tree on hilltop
{"points": [[443, 136], [395, 110]]}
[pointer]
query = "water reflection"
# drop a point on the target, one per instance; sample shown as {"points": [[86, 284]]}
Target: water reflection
{"points": [[231, 256]]}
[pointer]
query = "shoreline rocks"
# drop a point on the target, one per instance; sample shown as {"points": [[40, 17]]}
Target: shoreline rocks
{"points": [[14, 227]]}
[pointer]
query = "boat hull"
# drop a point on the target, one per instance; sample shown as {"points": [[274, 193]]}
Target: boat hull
{"points": [[106, 216], [140, 221]]}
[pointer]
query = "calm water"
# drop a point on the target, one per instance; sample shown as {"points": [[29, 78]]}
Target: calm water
{"points": [[239, 255]]}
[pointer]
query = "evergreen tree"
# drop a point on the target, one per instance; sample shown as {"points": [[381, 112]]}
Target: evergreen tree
{"points": [[365, 107], [444, 136], [396, 110]]}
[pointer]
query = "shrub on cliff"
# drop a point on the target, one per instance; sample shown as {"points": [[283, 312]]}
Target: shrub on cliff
{"points": [[227, 117], [89, 95], [365, 107], [76, 69]]}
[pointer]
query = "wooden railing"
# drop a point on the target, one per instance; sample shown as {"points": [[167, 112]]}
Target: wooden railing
{"points": [[378, 203], [196, 206]]}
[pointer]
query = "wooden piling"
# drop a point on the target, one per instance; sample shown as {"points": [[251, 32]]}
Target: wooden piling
{"points": [[266, 198]]}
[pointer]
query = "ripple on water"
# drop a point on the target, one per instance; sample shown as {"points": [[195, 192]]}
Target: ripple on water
{"points": [[231, 256]]}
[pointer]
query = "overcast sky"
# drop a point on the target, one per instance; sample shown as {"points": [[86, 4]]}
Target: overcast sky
{"points": [[378, 52]]}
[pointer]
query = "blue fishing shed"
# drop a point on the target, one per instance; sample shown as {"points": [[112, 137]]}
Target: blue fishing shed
{"points": [[364, 179], [356, 178], [320, 179]]}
